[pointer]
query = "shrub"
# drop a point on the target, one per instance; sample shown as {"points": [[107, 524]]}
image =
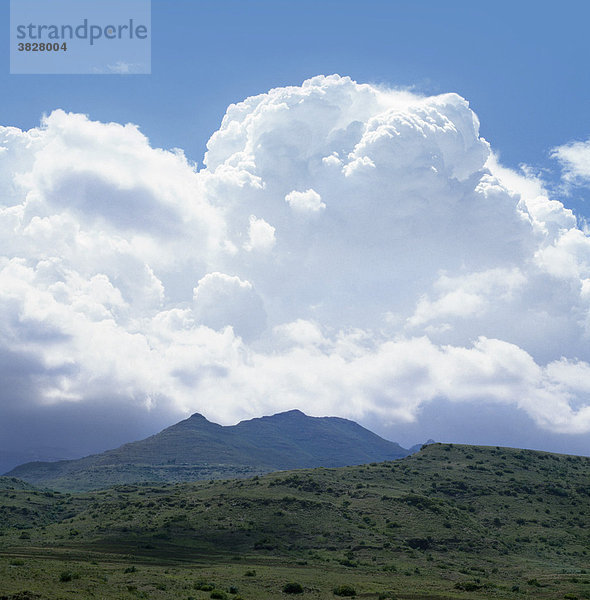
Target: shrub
{"points": [[419, 543], [68, 576], [344, 590], [203, 586], [251, 573], [345, 562], [218, 594], [468, 586], [292, 588]]}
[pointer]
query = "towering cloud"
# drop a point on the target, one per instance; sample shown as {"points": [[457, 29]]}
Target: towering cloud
{"points": [[345, 250]]}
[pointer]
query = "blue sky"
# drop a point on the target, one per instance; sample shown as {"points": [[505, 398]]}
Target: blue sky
{"points": [[308, 264], [521, 65]]}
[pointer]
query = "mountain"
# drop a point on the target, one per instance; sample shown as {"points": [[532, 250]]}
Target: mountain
{"points": [[10, 458], [417, 447], [198, 449]]}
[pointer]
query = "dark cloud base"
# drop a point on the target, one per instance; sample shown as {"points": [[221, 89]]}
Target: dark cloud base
{"points": [[71, 431], [483, 424]]}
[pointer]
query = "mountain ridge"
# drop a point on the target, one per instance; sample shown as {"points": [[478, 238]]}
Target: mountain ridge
{"points": [[196, 448]]}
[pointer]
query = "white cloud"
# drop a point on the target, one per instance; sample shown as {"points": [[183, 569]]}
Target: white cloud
{"points": [[305, 202], [575, 161], [222, 300], [427, 272], [302, 333], [467, 296], [120, 67], [261, 235]]}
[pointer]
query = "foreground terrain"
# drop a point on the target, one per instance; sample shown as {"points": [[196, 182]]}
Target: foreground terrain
{"points": [[448, 522]]}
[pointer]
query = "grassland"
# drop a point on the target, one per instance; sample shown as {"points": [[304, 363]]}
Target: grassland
{"points": [[449, 522]]}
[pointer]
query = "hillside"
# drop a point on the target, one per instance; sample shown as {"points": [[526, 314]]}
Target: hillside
{"points": [[12, 483], [197, 449], [449, 522]]}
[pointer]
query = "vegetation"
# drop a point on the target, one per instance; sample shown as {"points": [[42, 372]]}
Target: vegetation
{"points": [[449, 522], [344, 590], [12, 483]]}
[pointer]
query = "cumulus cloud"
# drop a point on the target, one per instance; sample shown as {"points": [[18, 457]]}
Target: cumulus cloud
{"points": [[345, 250], [574, 158], [222, 300], [305, 202], [261, 235]]}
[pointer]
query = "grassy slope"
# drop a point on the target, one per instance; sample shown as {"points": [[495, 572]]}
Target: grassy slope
{"points": [[449, 522], [12, 483]]}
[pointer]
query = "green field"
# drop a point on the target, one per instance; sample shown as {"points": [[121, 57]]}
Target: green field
{"points": [[448, 522]]}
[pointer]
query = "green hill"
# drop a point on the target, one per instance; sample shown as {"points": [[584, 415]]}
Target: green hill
{"points": [[448, 522], [12, 483], [197, 449]]}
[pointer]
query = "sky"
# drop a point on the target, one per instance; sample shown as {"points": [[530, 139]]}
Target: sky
{"points": [[372, 211]]}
